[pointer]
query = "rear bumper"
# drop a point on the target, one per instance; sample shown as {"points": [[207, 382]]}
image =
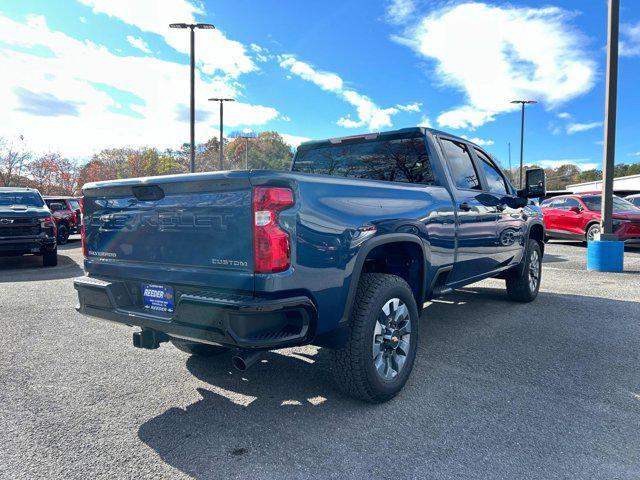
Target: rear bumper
{"points": [[207, 317], [23, 245]]}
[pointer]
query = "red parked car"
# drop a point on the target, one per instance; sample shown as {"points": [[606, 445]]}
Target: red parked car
{"points": [[66, 213], [577, 217]]}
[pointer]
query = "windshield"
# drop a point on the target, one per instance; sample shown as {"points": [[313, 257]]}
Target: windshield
{"points": [[28, 199], [594, 202], [398, 160]]}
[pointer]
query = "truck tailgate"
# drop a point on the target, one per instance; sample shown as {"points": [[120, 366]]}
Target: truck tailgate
{"points": [[187, 229]]}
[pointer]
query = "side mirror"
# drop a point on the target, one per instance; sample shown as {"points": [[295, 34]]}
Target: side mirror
{"points": [[575, 209], [56, 207], [535, 185]]}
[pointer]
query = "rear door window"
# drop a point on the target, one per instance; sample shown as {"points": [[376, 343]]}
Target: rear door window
{"points": [[394, 160], [461, 166], [558, 203], [570, 202], [495, 181]]}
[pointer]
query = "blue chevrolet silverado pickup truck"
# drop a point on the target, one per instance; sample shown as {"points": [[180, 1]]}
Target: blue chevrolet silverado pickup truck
{"points": [[341, 252]]}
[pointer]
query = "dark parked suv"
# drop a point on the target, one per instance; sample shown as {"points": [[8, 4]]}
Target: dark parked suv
{"points": [[67, 215], [26, 225]]}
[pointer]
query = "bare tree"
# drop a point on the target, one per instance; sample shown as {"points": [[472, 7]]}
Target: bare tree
{"points": [[12, 162]]}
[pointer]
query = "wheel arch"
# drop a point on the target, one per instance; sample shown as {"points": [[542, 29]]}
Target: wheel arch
{"points": [[589, 224], [536, 232], [369, 259]]}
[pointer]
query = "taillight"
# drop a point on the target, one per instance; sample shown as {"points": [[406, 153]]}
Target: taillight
{"points": [[271, 247], [82, 235]]}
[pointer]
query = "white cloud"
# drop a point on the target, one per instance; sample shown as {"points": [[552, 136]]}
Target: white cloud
{"points": [[479, 141], [369, 114], [630, 40], [83, 20], [498, 54], [214, 50], [411, 107], [582, 127], [399, 11], [581, 163], [425, 122], [262, 53], [294, 140], [139, 43], [325, 80], [564, 115], [57, 101], [465, 117]]}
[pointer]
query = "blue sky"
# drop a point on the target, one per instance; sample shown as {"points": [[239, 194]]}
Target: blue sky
{"points": [[88, 74]]}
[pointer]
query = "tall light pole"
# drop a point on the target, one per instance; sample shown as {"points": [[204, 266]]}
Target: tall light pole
{"points": [[523, 103], [192, 27], [605, 253], [510, 172], [610, 122], [246, 137], [221, 100]]}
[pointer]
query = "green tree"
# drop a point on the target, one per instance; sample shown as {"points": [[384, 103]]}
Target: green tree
{"points": [[267, 151]]}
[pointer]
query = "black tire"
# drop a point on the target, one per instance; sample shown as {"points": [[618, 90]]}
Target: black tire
{"points": [[198, 349], [521, 285], [63, 234], [50, 258], [355, 366]]}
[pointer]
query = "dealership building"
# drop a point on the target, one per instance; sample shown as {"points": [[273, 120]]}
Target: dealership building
{"points": [[621, 186]]}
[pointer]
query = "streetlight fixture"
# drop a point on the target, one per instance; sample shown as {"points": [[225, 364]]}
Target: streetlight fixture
{"points": [[221, 100], [523, 103], [192, 27]]}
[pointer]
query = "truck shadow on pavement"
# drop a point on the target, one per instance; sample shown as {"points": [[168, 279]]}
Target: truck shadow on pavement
{"points": [[29, 268], [496, 387]]}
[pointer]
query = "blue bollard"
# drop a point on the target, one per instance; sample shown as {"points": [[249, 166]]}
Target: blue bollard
{"points": [[605, 256]]}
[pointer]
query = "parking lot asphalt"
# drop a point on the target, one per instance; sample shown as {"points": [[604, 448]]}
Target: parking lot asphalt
{"points": [[499, 390]]}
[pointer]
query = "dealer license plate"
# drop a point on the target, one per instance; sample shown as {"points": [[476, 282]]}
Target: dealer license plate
{"points": [[158, 298]]}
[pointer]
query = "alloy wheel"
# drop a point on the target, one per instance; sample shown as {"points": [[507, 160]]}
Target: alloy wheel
{"points": [[391, 339], [534, 270], [591, 234]]}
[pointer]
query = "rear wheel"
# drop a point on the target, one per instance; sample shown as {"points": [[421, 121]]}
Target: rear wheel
{"points": [[592, 232], [523, 283], [50, 258], [198, 349], [378, 358], [63, 234]]}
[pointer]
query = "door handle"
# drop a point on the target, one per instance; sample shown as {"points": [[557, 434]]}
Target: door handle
{"points": [[465, 207]]}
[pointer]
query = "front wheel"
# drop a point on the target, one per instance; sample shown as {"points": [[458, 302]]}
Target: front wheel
{"points": [[63, 235], [523, 283], [378, 357]]}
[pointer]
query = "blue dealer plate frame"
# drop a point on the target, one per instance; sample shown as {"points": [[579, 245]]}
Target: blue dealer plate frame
{"points": [[158, 298]]}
